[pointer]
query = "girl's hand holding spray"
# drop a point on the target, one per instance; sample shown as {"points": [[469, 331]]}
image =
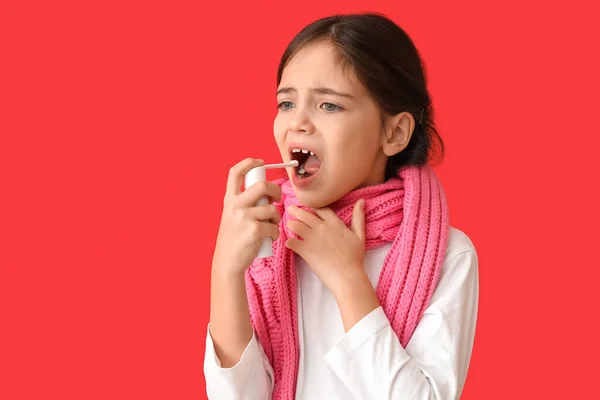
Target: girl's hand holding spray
{"points": [[248, 223]]}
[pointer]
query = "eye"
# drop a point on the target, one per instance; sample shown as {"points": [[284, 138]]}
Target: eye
{"points": [[285, 105], [330, 107]]}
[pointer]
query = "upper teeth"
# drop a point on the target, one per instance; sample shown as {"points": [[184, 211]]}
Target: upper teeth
{"points": [[303, 151]]}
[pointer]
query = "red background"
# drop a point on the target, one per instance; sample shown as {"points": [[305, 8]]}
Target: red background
{"points": [[119, 121]]}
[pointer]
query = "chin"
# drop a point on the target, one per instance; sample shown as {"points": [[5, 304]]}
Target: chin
{"points": [[317, 192], [312, 199]]}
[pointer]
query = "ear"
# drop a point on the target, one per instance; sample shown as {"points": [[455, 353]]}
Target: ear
{"points": [[396, 134]]}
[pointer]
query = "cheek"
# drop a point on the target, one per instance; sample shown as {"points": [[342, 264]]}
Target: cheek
{"points": [[369, 137], [359, 143], [278, 130]]}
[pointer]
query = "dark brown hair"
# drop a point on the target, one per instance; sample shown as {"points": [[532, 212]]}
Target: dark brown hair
{"points": [[387, 63]]}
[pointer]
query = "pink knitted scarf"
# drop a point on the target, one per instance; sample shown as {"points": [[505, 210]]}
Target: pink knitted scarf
{"points": [[410, 211]]}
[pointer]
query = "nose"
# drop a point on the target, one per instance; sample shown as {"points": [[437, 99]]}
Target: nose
{"points": [[300, 122]]}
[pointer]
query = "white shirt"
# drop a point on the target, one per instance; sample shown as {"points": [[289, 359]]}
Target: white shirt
{"points": [[368, 362]]}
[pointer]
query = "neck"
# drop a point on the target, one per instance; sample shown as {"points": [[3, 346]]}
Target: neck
{"points": [[377, 175]]}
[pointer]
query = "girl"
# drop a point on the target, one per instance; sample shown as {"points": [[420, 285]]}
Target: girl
{"points": [[369, 294]]}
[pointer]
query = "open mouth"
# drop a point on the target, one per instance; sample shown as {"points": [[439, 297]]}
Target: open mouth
{"points": [[308, 162]]}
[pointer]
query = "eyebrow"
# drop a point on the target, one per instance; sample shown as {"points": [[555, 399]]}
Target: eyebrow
{"points": [[319, 90]]}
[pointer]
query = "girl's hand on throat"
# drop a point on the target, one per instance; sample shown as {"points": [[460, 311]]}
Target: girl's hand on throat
{"points": [[333, 251]]}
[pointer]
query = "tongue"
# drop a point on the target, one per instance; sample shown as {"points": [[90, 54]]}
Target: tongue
{"points": [[312, 164]]}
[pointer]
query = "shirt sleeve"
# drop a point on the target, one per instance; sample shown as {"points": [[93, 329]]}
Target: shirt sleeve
{"points": [[372, 363], [250, 379]]}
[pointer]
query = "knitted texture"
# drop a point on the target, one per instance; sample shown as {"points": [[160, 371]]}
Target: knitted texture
{"points": [[410, 211]]}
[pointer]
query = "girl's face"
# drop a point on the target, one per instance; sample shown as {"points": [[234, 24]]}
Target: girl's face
{"points": [[328, 122]]}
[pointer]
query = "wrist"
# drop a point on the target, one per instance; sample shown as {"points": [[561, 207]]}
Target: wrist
{"points": [[354, 284], [356, 298], [352, 281], [224, 274], [225, 269]]}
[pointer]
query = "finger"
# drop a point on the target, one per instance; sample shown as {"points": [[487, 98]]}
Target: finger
{"points": [[296, 245], [358, 220], [236, 175], [302, 215], [277, 198], [259, 190], [299, 228], [267, 212], [325, 213], [268, 229]]}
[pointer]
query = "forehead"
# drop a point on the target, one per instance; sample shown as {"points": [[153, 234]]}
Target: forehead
{"points": [[320, 65]]}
